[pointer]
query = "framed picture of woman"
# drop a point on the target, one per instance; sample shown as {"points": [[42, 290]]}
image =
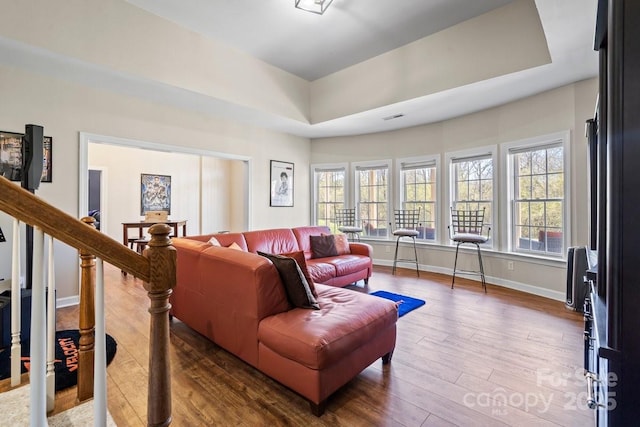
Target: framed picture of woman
{"points": [[281, 185]]}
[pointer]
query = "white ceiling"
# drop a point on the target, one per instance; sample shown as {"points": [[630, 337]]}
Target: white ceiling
{"points": [[310, 45], [350, 31]]}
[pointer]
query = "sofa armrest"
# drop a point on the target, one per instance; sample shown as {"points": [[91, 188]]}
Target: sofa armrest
{"points": [[358, 248]]}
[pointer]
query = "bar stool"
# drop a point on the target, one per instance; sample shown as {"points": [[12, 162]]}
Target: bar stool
{"points": [[346, 220], [140, 244], [466, 228], [406, 222]]}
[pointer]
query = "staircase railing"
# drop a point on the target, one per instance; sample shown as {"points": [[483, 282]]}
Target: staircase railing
{"points": [[156, 267]]}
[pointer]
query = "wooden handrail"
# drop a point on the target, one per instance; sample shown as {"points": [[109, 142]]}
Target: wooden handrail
{"points": [[156, 267], [31, 210]]}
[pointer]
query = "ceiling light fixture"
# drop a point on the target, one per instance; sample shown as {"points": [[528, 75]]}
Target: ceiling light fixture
{"points": [[315, 6]]}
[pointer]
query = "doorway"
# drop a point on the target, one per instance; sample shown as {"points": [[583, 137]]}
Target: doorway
{"points": [[95, 191], [197, 194]]}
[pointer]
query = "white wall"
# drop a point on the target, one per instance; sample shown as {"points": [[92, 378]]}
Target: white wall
{"points": [[117, 36], [204, 204], [502, 41], [562, 109], [65, 109], [114, 36]]}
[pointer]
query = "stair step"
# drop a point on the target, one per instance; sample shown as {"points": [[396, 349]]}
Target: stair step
{"points": [[16, 411]]}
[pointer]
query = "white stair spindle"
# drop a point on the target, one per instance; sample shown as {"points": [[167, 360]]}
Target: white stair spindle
{"points": [[16, 302], [51, 329], [37, 370], [100, 361]]}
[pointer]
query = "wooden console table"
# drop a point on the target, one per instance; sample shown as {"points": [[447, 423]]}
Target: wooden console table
{"points": [[141, 225]]}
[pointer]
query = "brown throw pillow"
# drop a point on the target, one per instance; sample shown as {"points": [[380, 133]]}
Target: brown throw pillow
{"points": [[302, 263], [295, 284], [323, 246], [235, 246]]}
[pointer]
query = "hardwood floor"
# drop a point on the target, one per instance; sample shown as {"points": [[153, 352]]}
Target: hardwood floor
{"points": [[465, 358]]}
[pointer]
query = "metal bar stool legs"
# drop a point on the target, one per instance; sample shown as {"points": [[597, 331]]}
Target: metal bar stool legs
{"points": [[395, 256], [455, 264], [353, 236], [480, 264], [415, 254], [484, 282]]}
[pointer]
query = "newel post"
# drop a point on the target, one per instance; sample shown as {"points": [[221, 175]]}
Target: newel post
{"points": [[162, 264], [87, 321]]}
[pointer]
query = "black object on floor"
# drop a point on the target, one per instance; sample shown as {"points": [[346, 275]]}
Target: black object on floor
{"points": [[66, 361]]}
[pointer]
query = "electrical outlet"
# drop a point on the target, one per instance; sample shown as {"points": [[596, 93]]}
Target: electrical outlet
{"points": [[510, 265]]}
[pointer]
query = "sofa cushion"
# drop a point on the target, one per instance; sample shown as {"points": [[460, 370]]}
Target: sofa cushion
{"points": [[347, 264], [295, 284], [302, 263], [320, 270], [276, 241], [302, 236], [222, 239], [345, 322], [235, 246], [342, 244], [323, 246]]}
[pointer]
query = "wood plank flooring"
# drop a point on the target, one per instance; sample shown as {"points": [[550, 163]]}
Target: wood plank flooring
{"points": [[466, 358]]}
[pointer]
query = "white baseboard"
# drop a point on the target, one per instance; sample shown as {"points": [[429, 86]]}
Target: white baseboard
{"points": [[60, 302], [510, 284], [68, 301]]}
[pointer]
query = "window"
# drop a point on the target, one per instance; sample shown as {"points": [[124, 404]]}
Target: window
{"points": [[419, 189], [372, 198], [537, 193], [472, 185], [329, 193]]}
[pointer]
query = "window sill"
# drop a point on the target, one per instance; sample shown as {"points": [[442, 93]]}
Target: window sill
{"points": [[520, 256]]}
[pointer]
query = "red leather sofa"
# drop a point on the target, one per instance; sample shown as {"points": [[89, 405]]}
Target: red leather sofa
{"points": [[341, 270], [237, 299]]}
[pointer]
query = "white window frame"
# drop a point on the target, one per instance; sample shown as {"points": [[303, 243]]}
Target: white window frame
{"points": [[427, 161], [506, 204], [492, 152], [386, 163], [325, 167]]}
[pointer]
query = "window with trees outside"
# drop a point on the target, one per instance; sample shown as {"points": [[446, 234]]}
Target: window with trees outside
{"points": [[472, 186], [372, 198], [329, 193], [418, 190], [538, 198]]}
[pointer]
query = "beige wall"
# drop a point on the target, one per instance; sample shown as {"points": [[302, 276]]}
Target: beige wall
{"points": [[121, 37], [562, 109], [65, 109], [463, 54], [201, 187], [113, 35]]}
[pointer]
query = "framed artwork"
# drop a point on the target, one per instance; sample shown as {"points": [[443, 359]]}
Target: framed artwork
{"points": [[155, 193], [281, 185], [11, 157]]}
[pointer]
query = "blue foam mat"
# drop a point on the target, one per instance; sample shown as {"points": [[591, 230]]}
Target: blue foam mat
{"points": [[407, 304]]}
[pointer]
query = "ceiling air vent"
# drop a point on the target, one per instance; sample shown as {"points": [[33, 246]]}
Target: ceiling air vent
{"points": [[395, 116]]}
